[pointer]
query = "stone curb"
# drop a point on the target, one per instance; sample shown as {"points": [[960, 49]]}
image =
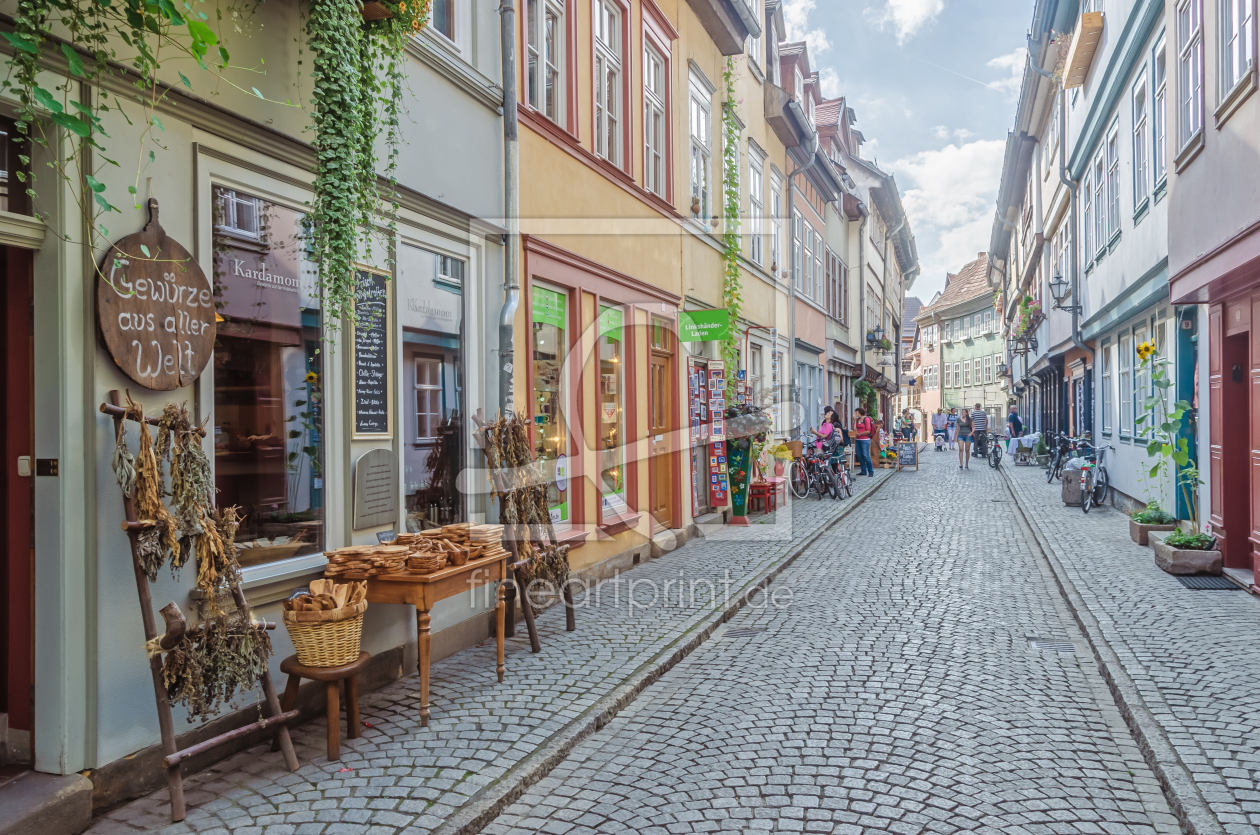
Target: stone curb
{"points": [[1188, 804], [487, 804]]}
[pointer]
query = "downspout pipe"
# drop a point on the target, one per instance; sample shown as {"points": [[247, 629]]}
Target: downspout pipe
{"points": [[511, 171], [1076, 278]]}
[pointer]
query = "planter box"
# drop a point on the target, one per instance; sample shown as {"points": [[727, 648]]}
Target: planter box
{"points": [[1138, 531], [1176, 561]]}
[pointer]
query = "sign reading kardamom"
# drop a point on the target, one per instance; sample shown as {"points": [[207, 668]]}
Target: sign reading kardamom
{"points": [[703, 325]]}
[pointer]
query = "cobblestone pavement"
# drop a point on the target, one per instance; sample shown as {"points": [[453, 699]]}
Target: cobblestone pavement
{"points": [[1192, 655], [398, 776], [899, 692]]}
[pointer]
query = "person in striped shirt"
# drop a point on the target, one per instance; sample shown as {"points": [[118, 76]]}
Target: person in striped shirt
{"points": [[980, 429]]}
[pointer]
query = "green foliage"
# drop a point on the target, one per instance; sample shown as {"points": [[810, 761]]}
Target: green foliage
{"points": [[867, 396], [1153, 514], [1170, 451], [1042, 449], [1186, 541], [732, 294]]}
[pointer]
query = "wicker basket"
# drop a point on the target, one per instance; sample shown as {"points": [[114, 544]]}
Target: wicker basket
{"points": [[326, 639], [797, 448]]}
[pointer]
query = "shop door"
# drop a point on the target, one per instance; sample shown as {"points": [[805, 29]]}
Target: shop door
{"points": [[660, 464], [1230, 389], [17, 555]]}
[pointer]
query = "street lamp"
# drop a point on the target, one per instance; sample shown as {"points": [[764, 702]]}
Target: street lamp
{"points": [[1001, 369], [876, 334], [1059, 289]]}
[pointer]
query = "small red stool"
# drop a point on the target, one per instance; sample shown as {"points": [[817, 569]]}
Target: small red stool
{"points": [[331, 676], [763, 492]]}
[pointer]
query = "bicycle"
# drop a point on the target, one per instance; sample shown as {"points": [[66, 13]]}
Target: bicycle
{"points": [[838, 464], [1063, 446], [989, 448], [809, 473], [1094, 481]]}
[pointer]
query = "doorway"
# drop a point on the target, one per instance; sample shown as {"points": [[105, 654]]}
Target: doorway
{"points": [[661, 411], [1235, 469], [17, 552]]}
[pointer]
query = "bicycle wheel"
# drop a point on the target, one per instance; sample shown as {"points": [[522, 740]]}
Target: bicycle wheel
{"points": [[799, 480], [846, 484], [1052, 468], [995, 455], [1087, 490], [1101, 485], [827, 483]]}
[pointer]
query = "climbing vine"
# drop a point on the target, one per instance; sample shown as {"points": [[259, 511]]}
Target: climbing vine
{"points": [[358, 85], [732, 296]]}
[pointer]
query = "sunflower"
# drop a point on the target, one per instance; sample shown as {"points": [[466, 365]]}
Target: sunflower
{"points": [[1145, 350], [311, 377]]}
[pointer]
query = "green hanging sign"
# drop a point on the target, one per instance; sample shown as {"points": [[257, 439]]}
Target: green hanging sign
{"points": [[548, 307], [610, 323], [703, 325]]}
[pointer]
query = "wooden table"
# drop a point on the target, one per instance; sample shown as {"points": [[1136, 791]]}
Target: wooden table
{"points": [[425, 590]]}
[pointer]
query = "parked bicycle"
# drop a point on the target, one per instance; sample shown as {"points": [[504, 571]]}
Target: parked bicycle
{"points": [[1094, 481], [989, 446], [1061, 451], [811, 473], [838, 462]]}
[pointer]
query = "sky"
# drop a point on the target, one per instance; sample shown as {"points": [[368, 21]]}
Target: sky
{"points": [[934, 84]]}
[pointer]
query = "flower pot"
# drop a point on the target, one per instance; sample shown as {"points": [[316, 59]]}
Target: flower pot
{"points": [[1043, 460], [1176, 561], [1138, 531]]}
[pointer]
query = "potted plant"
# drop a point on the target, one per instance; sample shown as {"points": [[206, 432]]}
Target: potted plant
{"points": [[1042, 451], [1185, 550], [1150, 518]]}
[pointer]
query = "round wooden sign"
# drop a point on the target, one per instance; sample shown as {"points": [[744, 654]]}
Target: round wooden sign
{"points": [[155, 308]]}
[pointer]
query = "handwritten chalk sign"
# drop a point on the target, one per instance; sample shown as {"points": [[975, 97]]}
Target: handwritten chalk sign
{"points": [[155, 308], [375, 489], [907, 454], [371, 356]]}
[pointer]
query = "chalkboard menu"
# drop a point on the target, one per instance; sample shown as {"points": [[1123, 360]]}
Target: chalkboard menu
{"points": [[371, 355], [907, 454]]}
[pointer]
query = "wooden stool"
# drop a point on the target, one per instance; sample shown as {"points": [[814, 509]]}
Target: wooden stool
{"points": [[763, 493], [331, 676]]}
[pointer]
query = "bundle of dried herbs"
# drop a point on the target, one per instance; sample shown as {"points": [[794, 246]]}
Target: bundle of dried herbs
{"points": [[222, 656], [150, 489]]}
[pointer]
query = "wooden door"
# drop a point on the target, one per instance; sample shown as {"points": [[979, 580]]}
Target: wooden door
{"points": [[660, 438], [17, 554]]}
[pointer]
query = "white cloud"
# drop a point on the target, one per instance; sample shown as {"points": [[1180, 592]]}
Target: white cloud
{"points": [[940, 132], [963, 134], [907, 17], [830, 82], [796, 16], [1013, 65], [949, 196]]}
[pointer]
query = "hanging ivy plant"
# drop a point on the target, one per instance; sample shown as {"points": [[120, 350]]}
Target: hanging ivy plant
{"points": [[732, 295], [358, 84]]}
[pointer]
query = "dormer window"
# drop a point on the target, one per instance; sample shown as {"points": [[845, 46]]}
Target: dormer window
{"points": [[798, 91]]}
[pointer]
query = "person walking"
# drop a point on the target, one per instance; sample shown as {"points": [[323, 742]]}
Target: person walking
{"points": [[964, 441], [862, 429], [1014, 423], [938, 424], [905, 426], [951, 427], [980, 430]]}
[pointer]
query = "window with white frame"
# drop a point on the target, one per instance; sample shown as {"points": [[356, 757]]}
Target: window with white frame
{"points": [[798, 270], [1087, 226], [807, 286], [966, 366], [1141, 385], [1051, 143], [1105, 396], [608, 81], [1100, 201], [1159, 113], [1237, 43], [654, 172], [428, 398], [988, 321], [977, 326], [1189, 70], [1113, 180], [1126, 384], [755, 209], [701, 130], [240, 214], [754, 43], [819, 252], [1141, 155], [988, 369], [776, 223], [544, 47]]}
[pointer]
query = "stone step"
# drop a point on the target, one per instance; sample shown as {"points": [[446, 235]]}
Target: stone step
{"points": [[34, 803]]}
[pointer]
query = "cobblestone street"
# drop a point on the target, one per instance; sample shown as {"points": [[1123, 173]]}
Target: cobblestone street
{"points": [[917, 666]]}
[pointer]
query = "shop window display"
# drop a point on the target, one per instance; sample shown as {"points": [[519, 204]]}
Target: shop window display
{"points": [[268, 374], [430, 305], [612, 419], [549, 334]]}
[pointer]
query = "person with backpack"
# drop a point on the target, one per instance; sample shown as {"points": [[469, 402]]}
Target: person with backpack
{"points": [[863, 428]]}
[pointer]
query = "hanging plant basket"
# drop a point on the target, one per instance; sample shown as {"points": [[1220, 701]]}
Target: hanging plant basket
{"points": [[374, 10]]}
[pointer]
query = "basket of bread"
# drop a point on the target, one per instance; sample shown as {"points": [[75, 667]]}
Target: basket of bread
{"points": [[327, 624]]}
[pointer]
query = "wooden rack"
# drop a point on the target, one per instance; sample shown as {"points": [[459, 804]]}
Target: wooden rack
{"points": [[276, 720], [513, 533]]}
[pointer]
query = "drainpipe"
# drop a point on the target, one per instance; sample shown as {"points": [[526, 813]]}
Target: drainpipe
{"points": [[511, 159], [1087, 407]]}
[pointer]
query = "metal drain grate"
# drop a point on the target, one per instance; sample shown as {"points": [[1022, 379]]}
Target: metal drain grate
{"points": [[741, 633], [1053, 646], [1207, 583]]}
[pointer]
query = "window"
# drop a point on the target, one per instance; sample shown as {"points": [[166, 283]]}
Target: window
{"points": [[808, 257], [1087, 195], [549, 323], [755, 372], [1141, 157], [612, 421], [1052, 137], [654, 173], [754, 44], [755, 210], [1236, 43], [988, 321], [442, 18], [818, 266], [776, 224], [608, 81], [1160, 111], [1105, 394], [988, 369], [1141, 385], [1189, 70], [238, 213], [1126, 384], [428, 388], [1113, 180], [544, 44], [798, 273], [701, 151], [966, 366], [958, 375], [268, 394], [1100, 202]]}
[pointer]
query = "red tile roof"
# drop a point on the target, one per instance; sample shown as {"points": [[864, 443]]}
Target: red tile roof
{"points": [[970, 283]]}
